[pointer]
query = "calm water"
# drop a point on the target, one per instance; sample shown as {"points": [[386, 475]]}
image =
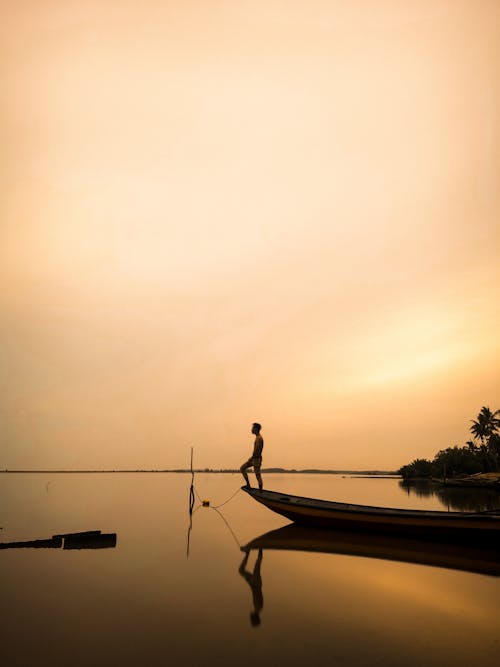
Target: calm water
{"points": [[144, 602]]}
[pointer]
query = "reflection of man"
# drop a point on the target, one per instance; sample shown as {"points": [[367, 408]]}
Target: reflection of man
{"points": [[254, 580], [255, 461]]}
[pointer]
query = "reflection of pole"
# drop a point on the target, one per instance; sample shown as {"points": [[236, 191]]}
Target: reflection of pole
{"points": [[191, 505]]}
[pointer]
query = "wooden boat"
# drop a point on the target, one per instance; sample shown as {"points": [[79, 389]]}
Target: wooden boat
{"points": [[347, 516]]}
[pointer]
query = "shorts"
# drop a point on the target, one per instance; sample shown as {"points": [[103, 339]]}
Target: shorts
{"points": [[252, 462]]}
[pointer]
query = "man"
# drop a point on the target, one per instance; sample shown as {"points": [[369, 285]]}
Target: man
{"points": [[255, 461]]}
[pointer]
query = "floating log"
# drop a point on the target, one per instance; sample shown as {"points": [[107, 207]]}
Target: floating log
{"points": [[96, 541], [52, 543], [89, 539]]}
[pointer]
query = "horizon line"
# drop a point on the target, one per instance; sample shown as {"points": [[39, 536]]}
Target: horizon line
{"points": [[203, 470]]}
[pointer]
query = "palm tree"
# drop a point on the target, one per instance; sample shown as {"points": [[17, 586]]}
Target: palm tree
{"points": [[471, 445], [485, 429]]}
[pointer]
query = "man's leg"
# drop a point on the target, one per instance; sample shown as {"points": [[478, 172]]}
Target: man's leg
{"points": [[243, 469], [258, 476]]}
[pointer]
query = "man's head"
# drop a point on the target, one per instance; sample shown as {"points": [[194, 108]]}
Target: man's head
{"points": [[255, 619], [256, 428]]}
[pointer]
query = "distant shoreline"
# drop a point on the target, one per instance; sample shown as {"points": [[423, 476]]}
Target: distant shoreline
{"points": [[366, 473]]}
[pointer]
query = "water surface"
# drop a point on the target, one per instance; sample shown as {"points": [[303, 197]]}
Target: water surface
{"points": [[145, 602]]}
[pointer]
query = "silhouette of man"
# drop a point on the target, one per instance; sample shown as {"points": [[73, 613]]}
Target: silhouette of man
{"points": [[255, 461], [254, 580]]}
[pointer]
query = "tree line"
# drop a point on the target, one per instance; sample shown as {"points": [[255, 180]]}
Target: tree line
{"points": [[481, 454]]}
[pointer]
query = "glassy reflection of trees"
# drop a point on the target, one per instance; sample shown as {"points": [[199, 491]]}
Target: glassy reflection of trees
{"points": [[459, 499]]}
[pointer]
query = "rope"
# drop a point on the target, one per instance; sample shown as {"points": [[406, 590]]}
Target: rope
{"points": [[194, 491], [215, 507], [229, 527], [221, 516]]}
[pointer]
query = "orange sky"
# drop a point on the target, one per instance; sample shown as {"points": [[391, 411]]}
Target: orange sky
{"points": [[220, 212]]}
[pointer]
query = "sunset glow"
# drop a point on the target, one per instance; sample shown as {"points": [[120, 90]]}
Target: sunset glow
{"points": [[214, 213]]}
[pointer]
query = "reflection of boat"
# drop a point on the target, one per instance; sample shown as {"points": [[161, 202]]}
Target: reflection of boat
{"points": [[327, 514], [91, 539], [478, 559]]}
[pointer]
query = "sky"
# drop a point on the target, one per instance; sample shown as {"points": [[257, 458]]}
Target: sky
{"points": [[220, 212]]}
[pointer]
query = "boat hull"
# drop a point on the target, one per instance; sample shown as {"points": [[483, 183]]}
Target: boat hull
{"points": [[343, 516]]}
